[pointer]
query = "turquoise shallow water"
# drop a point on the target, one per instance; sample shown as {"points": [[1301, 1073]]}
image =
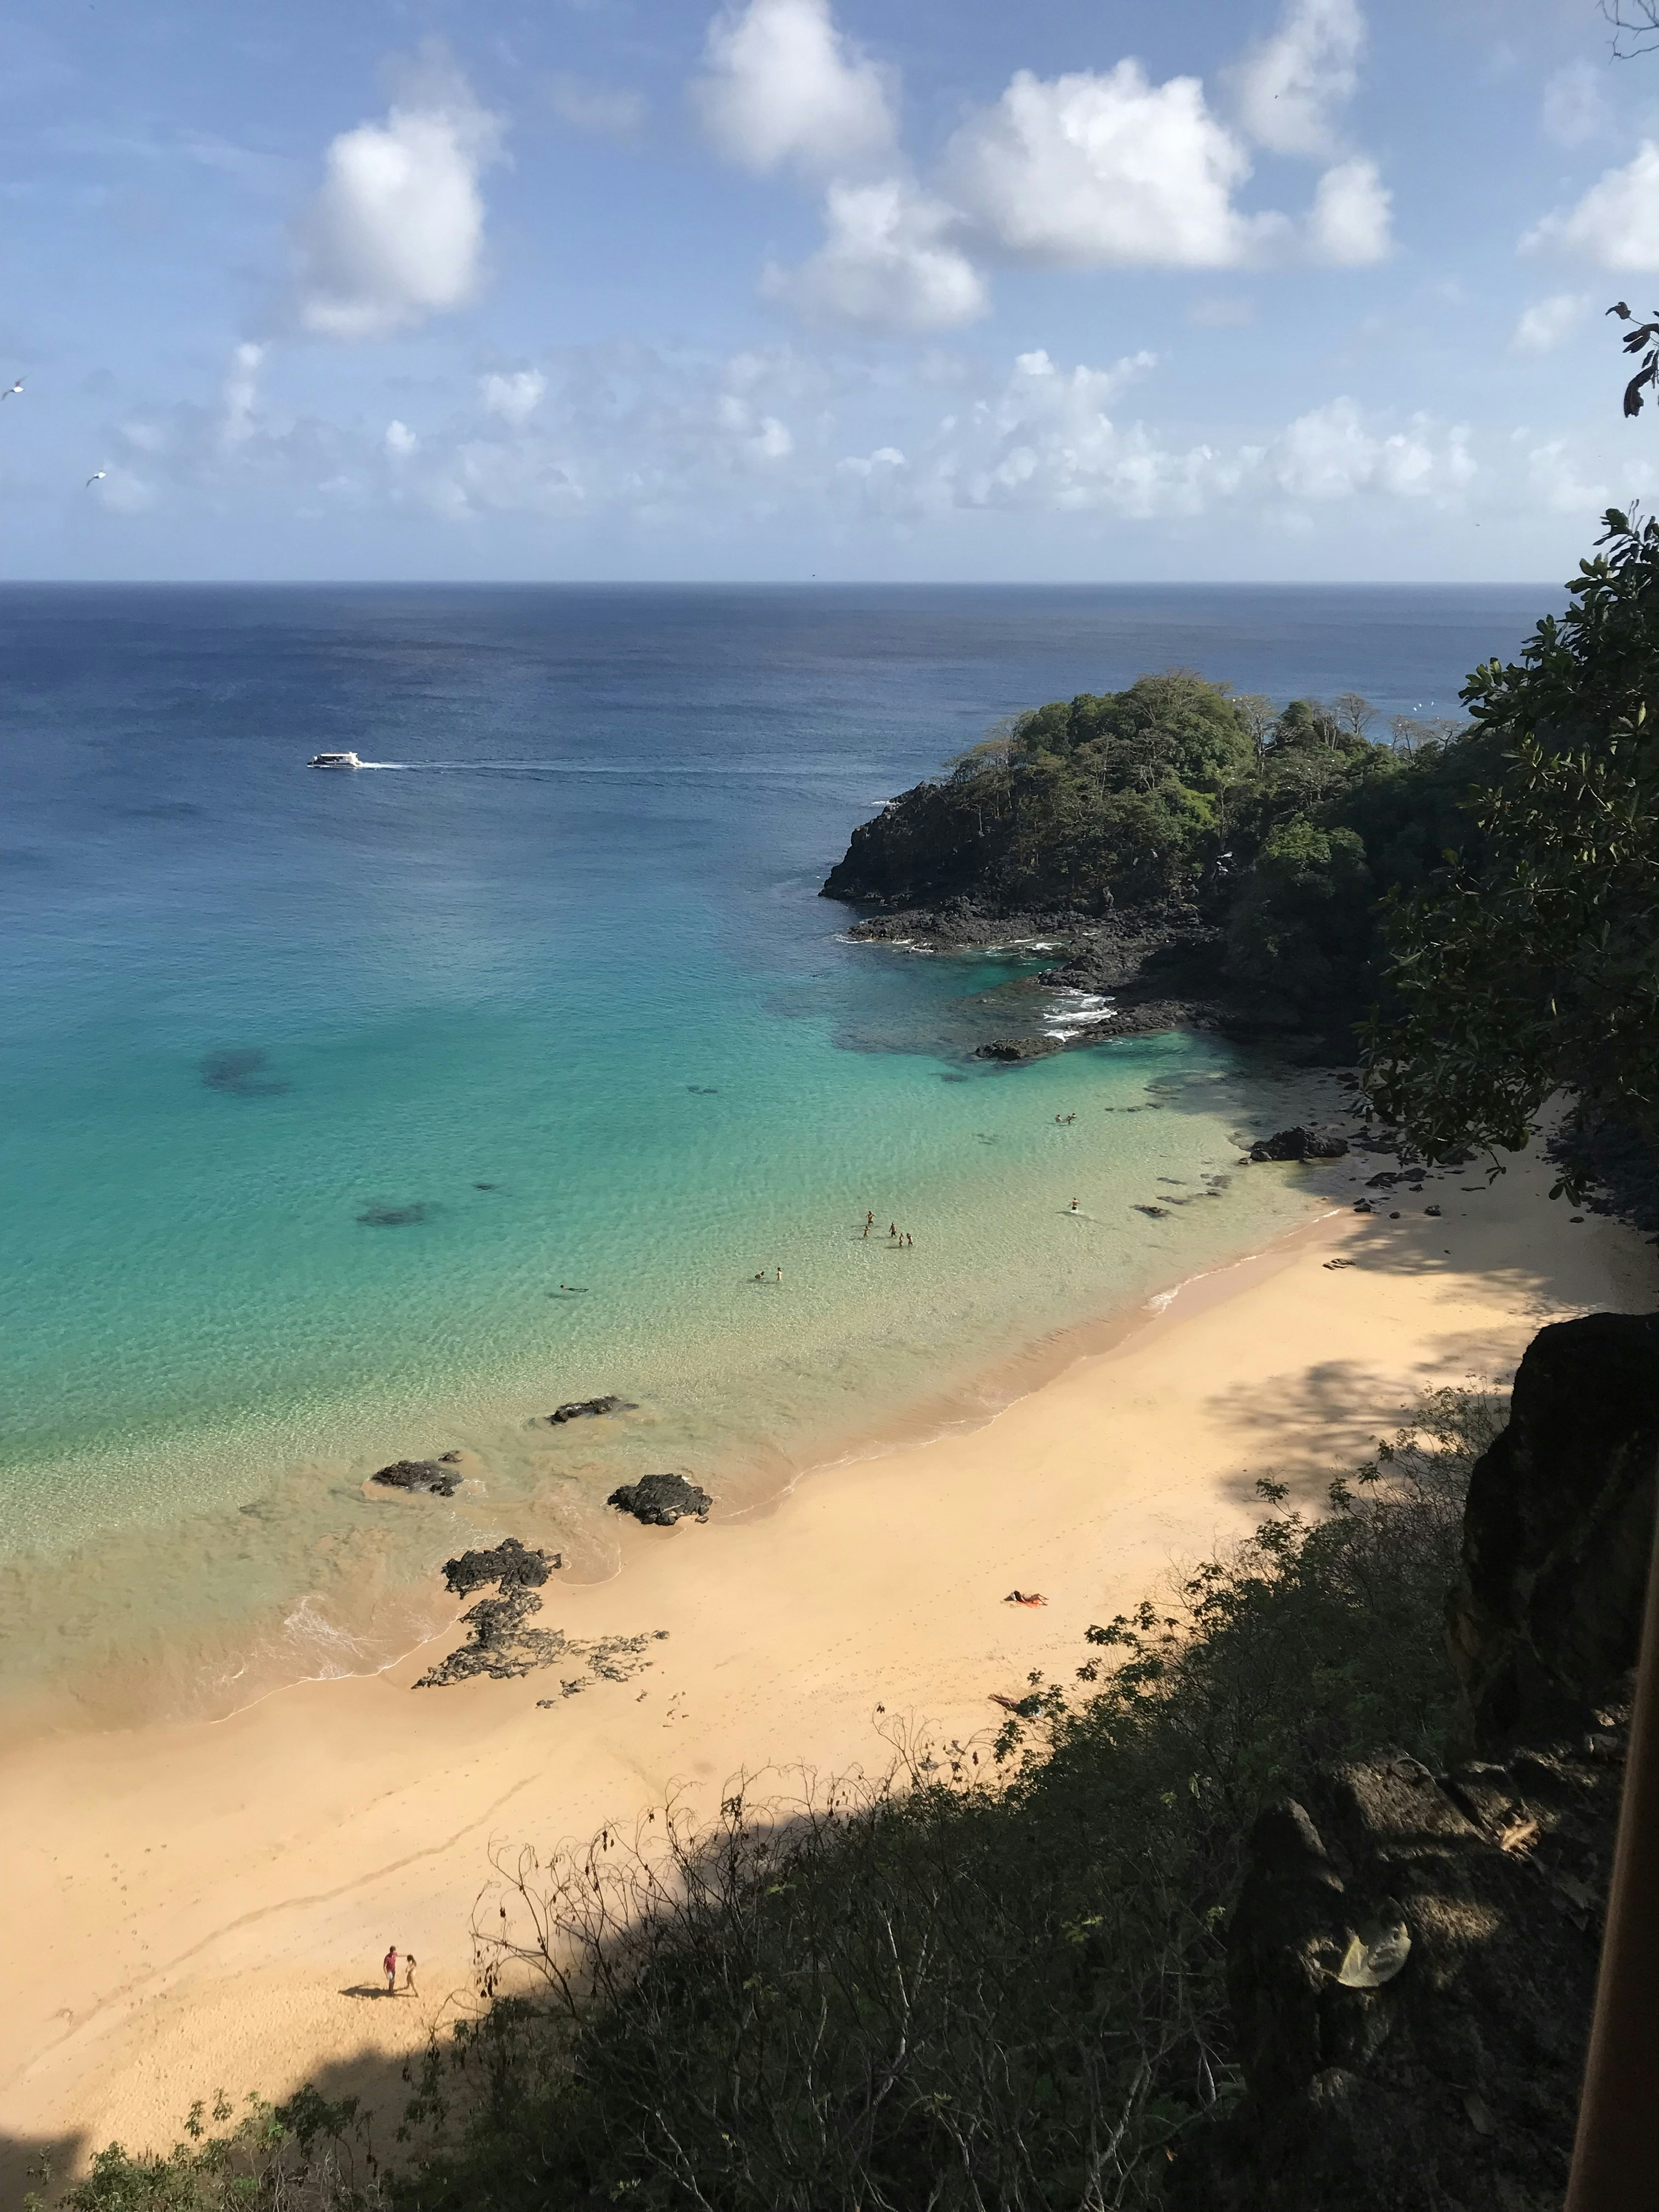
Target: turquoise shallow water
{"points": [[317, 1088]]}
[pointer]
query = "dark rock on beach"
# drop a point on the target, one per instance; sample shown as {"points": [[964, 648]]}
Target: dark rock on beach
{"points": [[510, 1564], [504, 1645], [581, 1409], [1298, 1144], [438, 1477], [659, 1500]]}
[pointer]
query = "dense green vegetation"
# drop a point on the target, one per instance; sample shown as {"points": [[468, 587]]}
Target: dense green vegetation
{"points": [[1531, 964], [975, 1985], [1288, 829]]}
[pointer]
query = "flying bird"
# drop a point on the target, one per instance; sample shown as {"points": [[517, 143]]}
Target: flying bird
{"points": [[13, 391], [96, 478]]}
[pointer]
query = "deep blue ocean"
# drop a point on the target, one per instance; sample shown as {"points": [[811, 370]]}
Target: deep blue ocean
{"points": [[347, 1116]]}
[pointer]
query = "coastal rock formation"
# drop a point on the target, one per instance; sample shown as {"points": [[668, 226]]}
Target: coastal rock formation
{"points": [[439, 1477], [1160, 968], [510, 1564], [660, 1500], [580, 1409], [1559, 1529], [1411, 1969], [1298, 1144], [505, 1646], [1017, 1048]]}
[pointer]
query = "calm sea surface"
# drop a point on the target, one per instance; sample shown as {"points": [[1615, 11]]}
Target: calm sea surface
{"points": [[317, 1090]]}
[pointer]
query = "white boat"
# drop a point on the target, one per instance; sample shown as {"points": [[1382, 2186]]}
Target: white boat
{"points": [[335, 760]]}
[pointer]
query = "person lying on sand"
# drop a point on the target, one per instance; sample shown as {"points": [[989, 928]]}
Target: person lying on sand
{"points": [[1024, 1597]]}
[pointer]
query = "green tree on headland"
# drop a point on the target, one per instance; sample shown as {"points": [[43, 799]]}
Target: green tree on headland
{"points": [[1531, 964]]}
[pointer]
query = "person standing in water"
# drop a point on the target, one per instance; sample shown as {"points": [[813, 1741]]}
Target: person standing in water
{"points": [[780, 1275], [1074, 1206]]}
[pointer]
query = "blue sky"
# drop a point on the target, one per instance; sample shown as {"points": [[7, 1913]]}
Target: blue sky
{"points": [[941, 289]]}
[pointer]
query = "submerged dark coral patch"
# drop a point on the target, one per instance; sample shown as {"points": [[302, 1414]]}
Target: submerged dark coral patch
{"points": [[394, 1217], [241, 1073]]}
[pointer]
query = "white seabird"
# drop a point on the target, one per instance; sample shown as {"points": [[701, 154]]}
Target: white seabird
{"points": [[13, 391], [97, 477]]}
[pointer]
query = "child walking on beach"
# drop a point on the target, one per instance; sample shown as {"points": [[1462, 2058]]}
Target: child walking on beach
{"points": [[409, 1974]]}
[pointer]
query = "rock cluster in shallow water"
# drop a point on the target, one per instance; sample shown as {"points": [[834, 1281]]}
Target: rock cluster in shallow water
{"points": [[438, 1478], [659, 1500], [579, 1409], [509, 1565]]}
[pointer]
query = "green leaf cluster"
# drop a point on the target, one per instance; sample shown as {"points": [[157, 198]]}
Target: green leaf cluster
{"points": [[1531, 963]]}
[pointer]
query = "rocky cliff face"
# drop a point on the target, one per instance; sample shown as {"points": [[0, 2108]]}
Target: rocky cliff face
{"points": [[921, 848], [1412, 1961], [1558, 1531]]}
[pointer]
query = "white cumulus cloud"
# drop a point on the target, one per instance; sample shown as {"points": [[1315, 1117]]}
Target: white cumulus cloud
{"points": [[1288, 86], [1549, 323], [782, 84], [1616, 224], [395, 232], [1348, 224], [887, 261], [400, 441], [1332, 452], [514, 398], [1090, 170]]}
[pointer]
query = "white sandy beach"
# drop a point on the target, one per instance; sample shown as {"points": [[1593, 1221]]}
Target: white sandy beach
{"points": [[195, 1907]]}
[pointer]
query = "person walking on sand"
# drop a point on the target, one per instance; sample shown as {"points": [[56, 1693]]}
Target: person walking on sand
{"points": [[408, 1974], [389, 1968]]}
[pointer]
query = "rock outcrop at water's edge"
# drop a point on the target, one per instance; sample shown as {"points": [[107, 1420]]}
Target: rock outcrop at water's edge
{"points": [[437, 1477], [660, 1500], [510, 1564], [580, 1409], [1160, 969]]}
